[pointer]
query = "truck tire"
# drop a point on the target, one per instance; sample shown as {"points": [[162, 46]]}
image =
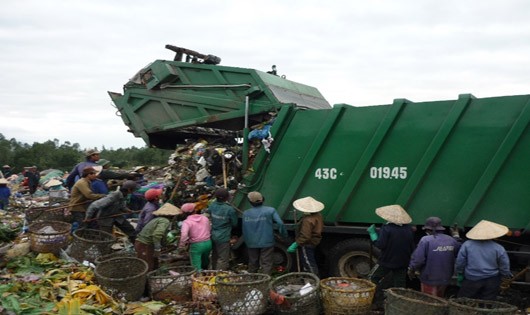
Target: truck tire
{"points": [[282, 260], [351, 258]]}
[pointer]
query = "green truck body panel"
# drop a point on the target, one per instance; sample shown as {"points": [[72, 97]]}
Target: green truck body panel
{"points": [[462, 160], [166, 100]]}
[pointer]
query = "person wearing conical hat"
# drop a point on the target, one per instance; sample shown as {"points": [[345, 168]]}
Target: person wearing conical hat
{"points": [[434, 258], [396, 242], [482, 263], [309, 233], [149, 241]]}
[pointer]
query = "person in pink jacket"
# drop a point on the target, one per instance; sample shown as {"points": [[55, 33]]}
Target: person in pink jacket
{"points": [[195, 231]]}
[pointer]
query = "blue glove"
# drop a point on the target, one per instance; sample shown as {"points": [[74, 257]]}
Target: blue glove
{"points": [[459, 279], [292, 248], [282, 231], [372, 232]]}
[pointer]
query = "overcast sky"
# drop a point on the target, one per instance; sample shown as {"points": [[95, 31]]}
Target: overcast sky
{"points": [[58, 59]]}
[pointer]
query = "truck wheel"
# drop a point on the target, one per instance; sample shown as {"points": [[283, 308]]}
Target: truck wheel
{"points": [[281, 259], [351, 258]]}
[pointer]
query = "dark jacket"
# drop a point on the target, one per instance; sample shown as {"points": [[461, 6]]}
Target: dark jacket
{"points": [[223, 217], [310, 230], [108, 208], [435, 258], [258, 226], [396, 244]]}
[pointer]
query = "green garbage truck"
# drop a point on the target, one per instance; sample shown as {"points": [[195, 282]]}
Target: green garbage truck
{"points": [[462, 160]]}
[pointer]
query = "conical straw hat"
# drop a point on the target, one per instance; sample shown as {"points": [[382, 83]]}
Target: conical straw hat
{"points": [[168, 209], [53, 182], [487, 230], [308, 205], [394, 214]]}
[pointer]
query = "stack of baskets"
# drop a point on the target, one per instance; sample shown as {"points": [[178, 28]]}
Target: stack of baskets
{"points": [[90, 244], [49, 236], [296, 293], [170, 283], [203, 285], [464, 306], [243, 294], [123, 277], [400, 301], [345, 296]]}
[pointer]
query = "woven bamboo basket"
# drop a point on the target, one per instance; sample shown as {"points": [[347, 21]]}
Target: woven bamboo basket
{"points": [[49, 236], [116, 254], [90, 244], [203, 286], [243, 294], [193, 308], [123, 277], [165, 286], [400, 301], [59, 213], [346, 296], [288, 297], [464, 306]]}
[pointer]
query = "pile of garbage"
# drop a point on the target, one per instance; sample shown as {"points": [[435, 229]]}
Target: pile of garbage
{"points": [[196, 170]]}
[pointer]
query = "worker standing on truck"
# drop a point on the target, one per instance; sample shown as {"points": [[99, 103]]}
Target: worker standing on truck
{"points": [[434, 258], [396, 242], [258, 232], [481, 262], [224, 218], [309, 232]]}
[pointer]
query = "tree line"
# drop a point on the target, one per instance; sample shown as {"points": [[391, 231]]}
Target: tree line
{"points": [[63, 156]]}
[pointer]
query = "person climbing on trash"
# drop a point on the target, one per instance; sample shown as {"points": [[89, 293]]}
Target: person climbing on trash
{"points": [[110, 211], [482, 263], [309, 233], [152, 237], [396, 242], [223, 217], [434, 258], [195, 232], [258, 233]]}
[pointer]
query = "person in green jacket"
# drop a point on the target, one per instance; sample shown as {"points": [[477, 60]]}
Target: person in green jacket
{"points": [[148, 244], [223, 217]]}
